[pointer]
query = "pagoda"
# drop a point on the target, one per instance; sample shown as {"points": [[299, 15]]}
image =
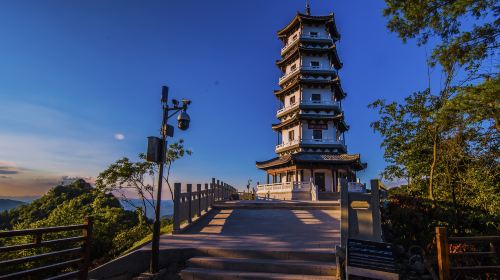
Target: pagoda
{"points": [[311, 149]]}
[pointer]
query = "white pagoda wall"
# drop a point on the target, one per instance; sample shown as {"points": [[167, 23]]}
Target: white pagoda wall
{"points": [[284, 134], [290, 38], [289, 66], [296, 94], [326, 94], [324, 61], [306, 28], [328, 178], [327, 133]]}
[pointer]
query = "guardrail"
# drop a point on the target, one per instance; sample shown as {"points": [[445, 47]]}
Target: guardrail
{"points": [[192, 204], [56, 270], [443, 253], [304, 36]]}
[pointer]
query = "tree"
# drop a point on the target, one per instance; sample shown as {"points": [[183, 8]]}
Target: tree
{"points": [[125, 176], [439, 137], [466, 31]]}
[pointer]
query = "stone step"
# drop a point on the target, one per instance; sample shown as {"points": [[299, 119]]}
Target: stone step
{"points": [[328, 196], [213, 274], [264, 265], [325, 255]]}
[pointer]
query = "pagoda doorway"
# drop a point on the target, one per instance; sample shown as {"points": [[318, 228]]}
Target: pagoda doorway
{"points": [[319, 181]]}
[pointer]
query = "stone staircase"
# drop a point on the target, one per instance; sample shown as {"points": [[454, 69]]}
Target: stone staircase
{"points": [[329, 196], [258, 264]]}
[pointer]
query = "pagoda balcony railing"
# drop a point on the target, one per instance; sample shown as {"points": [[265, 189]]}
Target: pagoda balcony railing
{"points": [[306, 68], [323, 141], [289, 74], [283, 187], [311, 102], [319, 68], [287, 108], [285, 145], [309, 141], [304, 36]]}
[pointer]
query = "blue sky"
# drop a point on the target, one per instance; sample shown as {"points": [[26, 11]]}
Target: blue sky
{"points": [[74, 74]]}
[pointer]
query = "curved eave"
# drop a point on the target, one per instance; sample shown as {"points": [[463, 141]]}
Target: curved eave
{"points": [[299, 17], [354, 161], [335, 84], [339, 92], [277, 161], [319, 107], [339, 117], [332, 28], [312, 107], [338, 146]]}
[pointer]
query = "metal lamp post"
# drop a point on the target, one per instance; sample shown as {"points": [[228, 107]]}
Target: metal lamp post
{"points": [[157, 150]]}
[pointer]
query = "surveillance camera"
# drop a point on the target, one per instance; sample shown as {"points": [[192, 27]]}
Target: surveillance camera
{"points": [[183, 120]]}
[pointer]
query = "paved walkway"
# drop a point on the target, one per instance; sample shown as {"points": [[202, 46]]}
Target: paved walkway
{"points": [[264, 227]]}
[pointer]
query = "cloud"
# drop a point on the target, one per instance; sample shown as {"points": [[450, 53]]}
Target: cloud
{"points": [[7, 172], [119, 136], [7, 168], [38, 147]]}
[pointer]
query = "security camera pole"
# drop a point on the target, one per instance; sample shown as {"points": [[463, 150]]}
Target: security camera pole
{"points": [[157, 150]]}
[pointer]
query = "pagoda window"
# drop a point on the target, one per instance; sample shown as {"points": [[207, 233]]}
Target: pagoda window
{"points": [[316, 97], [292, 100], [291, 135], [315, 64], [317, 134], [293, 67]]}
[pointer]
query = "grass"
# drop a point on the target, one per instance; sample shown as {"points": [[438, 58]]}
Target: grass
{"points": [[147, 239]]}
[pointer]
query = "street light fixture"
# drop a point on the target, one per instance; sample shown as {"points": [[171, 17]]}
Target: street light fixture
{"points": [[157, 150]]}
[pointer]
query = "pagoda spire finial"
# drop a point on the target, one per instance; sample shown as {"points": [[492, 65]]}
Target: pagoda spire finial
{"points": [[308, 8]]}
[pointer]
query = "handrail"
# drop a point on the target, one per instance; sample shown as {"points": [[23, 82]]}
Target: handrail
{"points": [[191, 204], [82, 250], [443, 253], [307, 102], [21, 232], [303, 36], [296, 70]]}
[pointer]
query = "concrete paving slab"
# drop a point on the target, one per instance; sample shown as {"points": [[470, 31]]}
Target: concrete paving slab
{"points": [[262, 229]]}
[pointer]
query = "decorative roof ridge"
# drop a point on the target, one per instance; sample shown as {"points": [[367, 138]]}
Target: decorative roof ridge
{"points": [[300, 16]]}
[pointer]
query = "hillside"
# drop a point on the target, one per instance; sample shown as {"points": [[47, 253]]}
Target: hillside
{"points": [[115, 229], [7, 204]]}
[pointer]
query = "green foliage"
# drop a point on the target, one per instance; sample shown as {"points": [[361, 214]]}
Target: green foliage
{"points": [[445, 144], [458, 41], [125, 176], [410, 220], [67, 205]]}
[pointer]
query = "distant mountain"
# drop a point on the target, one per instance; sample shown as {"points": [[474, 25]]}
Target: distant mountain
{"points": [[166, 209], [7, 204], [27, 199]]}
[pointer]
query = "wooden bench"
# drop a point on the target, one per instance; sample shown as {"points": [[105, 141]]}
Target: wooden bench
{"points": [[370, 259]]}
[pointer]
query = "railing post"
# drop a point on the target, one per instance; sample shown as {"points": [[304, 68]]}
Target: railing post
{"points": [[212, 192], [207, 197], [443, 253], [375, 202], [177, 201], [87, 234], [190, 200], [222, 191], [217, 191], [344, 212], [198, 190]]}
